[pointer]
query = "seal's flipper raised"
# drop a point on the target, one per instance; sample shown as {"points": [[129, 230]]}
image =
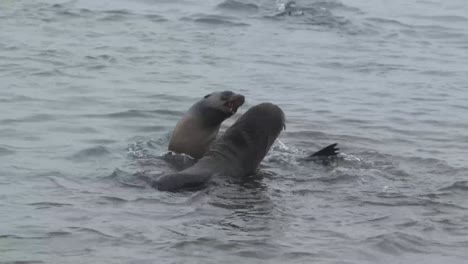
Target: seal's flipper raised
{"points": [[327, 151], [325, 155]]}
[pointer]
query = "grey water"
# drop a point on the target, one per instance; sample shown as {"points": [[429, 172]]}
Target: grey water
{"points": [[91, 90]]}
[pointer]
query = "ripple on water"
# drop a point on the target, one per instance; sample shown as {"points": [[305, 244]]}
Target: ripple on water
{"points": [[402, 200], [29, 119], [115, 17], [399, 243], [156, 18], [6, 151], [233, 5], [456, 186], [78, 130], [215, 20], [133, 113], [91, 153], [45, 205], [249, 200], [442, 18], [385, 21], [65, 11], [23, 262], [150, 129], [101, 141], [92, 231], [320, 14], [103, 57], [119, 200], [18, 98]]}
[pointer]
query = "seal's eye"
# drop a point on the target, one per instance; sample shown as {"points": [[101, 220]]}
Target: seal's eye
{"points": [[208, 95]]}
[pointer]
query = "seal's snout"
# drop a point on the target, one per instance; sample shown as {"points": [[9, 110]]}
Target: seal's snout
{"points": [[235, 102]]}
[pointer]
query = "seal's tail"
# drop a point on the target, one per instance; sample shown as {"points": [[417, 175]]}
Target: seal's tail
{"points": [[327, 151]]}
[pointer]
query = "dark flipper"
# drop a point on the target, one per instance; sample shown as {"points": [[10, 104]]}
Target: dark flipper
{"points": [[327, 151], [181, 180]]}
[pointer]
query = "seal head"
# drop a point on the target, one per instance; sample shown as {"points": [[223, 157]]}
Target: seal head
{"points": [[200, 125]]}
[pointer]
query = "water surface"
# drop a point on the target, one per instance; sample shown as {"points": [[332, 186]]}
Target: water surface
{"points": [[91, 91]]}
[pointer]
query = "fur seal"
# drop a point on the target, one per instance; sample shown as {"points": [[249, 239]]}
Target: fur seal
{"points": [[237, 153], [199, 126]]}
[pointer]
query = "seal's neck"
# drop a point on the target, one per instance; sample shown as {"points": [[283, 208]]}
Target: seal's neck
{"points": [[213, 117]]}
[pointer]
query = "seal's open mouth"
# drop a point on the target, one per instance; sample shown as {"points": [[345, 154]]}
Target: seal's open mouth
{"points": [[234, 103]]}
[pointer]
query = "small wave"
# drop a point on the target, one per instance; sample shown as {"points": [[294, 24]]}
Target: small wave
{"points": [[113, 199], [68, 13], [442, 18], [78, 130], [152, 129], [215, 20], [57, 6], [114, 17], [96, 67], [19, 98], [119, 200], [398, 243], [238, 6], [65, 183], [169, 97], [402, 201], [130, 113], [48, 73], [57, 72], [119, 12], [315, 14], [456, 186], [58, 233], [42, 205], [247, 195], [366, 67], [133, 113], [388, 22], [305, 192], [101, 141], [6, 151], [330, 21], [21, 237], [300, 254], [218, 21], [92, 231], [103, 57], [91, 153], [32, 118], [343, 178], [156, 18], [442, 33], [23, 262]]}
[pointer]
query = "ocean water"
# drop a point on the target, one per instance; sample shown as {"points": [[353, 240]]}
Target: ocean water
{"points": [[91, 90]]}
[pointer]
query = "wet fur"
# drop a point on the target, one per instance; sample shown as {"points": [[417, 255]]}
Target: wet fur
{"points": [[237, 153], [199, 127]]}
